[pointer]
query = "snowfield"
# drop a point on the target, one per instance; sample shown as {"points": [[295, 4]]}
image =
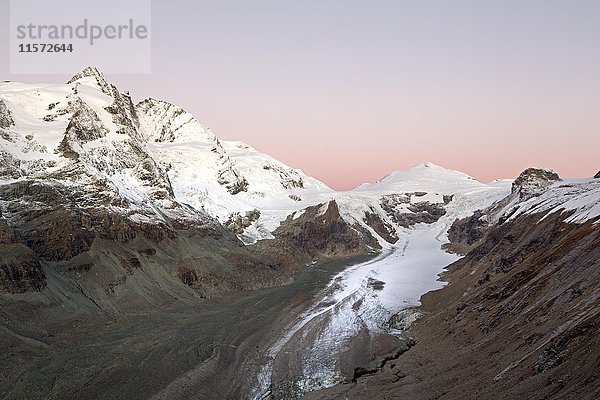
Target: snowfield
{"points": [[579, 197]]}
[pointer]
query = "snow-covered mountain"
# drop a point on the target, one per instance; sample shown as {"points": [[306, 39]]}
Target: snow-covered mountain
{"points": [[230, 180], [154, 159], [85, 134], [154, 154]]}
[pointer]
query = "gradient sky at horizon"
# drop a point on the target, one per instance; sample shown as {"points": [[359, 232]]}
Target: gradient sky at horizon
{"points": [[349, 91]]}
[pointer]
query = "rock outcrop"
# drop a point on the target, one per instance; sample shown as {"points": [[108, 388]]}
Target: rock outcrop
{"points": [[466, 232], [382, 228], [534, 181], [5, 116], [20, 269], [318, 233], [237, 222], [406, 210]]}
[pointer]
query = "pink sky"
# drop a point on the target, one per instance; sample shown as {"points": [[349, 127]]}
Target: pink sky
{"points": [[349, 91]]}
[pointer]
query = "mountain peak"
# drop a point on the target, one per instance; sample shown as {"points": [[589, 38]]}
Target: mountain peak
{"points": [[428, 164], [427, 168], [172, 123], [426, 176], [94, 72], [533, 181]]}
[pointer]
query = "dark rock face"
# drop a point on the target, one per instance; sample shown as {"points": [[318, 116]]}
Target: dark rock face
{"points": [[237, 223], [232, 180], [85, 126], [188, 276], [289, 179], [533, 181], [466, 232], [5, 116], [420, 211], [130, 264], [9, 166], [383, 229], [319, 233], [20, 269], [390, 202], [326, 234], [60, 225], [423, 212]]}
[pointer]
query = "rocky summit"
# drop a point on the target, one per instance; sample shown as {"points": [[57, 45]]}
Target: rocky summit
{"points": [[533, 181]]}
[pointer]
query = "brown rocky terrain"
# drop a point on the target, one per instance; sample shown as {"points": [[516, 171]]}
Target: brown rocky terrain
{"points": [[466, 232], [62, 230], [319, 234], [20, 270]]}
